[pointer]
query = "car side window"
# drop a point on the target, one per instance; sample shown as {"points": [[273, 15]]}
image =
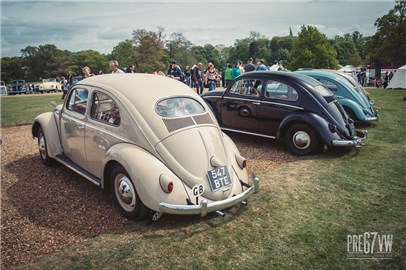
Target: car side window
{"points": [[330, 85], [247, 87], [78, 100], [105, 109], [280, 90]]}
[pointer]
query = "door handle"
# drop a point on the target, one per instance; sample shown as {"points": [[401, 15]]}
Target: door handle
{"points": [[80, 127], [256, 103]]}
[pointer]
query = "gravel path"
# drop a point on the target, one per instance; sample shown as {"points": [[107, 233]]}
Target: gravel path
{"points": [[46, 209]]}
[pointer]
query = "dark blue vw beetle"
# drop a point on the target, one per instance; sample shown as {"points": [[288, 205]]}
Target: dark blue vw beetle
{"points": [[286, 106]]}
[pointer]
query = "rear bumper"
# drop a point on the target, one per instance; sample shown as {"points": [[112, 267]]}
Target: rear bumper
{"points": [[204, 207], [358, 141]]}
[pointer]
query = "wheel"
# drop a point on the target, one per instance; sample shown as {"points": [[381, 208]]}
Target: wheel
{"points": [[126, 196], [351, 114], [301, 140], [43, 149]]}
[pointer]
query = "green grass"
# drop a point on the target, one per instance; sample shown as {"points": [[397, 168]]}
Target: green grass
{"points": [[299, 220], [22, 109]]}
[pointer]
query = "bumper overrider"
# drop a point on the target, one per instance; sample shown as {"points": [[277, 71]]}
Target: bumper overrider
{"points": [[358, 141], [204, 207]]}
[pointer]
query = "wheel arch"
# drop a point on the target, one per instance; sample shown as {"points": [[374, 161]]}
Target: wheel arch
{"points": [[354, 107], [144, 169], [49, 127], [317, 123]]}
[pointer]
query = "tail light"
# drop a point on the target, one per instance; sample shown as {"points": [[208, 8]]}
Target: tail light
{"points": [[242, 162], [165, 183], [332, 128]]}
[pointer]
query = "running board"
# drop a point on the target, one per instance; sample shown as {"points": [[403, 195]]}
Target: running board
{"points": [[74, 167]]}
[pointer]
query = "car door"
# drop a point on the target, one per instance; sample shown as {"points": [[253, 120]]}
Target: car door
{"points": [[73, 123], [241, 104], [279, 100], [102, 129]]}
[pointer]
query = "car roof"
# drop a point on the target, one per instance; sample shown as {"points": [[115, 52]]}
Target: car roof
{"points": [[132, 87], [326, 74], [283, 74]]}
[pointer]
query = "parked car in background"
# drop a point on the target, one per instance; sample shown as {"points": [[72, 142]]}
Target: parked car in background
{"points": [[3, 89], [286, 106], [18, 87], [354, 82], [49, 85], [149, 139], [353, 100]]}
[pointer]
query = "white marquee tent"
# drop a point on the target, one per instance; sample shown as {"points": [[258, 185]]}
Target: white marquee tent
{"points": [[399, 78], [348, 69]]}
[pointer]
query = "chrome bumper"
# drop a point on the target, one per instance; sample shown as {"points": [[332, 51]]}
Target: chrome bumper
{"points": [[204, 207], [358, 140], [372, 119]]}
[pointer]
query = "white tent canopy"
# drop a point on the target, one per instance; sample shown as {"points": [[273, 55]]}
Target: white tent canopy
{"points": [[399, 78], [348, 69]]}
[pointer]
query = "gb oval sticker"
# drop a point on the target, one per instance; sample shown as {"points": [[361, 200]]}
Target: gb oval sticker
{"points": [[197, 190]]}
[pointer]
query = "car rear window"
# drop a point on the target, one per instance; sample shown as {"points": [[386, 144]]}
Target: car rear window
{"points": [[179, 106], [323, 90]]}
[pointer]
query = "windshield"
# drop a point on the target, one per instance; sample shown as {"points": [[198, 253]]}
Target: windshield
{"points": [[18, 82], [179, 106]]}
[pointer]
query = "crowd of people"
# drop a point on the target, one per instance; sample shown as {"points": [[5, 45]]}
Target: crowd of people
{"points": [[194, 77]]}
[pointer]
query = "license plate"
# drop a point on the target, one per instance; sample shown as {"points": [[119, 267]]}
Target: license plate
{"points": [[218, 178]]}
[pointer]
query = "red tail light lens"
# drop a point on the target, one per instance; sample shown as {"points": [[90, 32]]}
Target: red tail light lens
{"points": [[242, 162], [165, 183]]}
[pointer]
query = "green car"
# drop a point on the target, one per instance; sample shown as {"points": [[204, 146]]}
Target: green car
{"points": [[355, 103]]}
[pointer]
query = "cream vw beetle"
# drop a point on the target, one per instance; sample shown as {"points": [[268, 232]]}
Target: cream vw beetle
{"points": [[149, 138]]}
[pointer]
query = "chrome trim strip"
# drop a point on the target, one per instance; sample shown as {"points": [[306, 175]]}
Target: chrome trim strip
{"points": [[206, 207], [267, 102], [249, 133]]}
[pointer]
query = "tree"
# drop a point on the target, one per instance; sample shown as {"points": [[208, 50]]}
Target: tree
{"points": [[312, 49], [43, 61], [93, 59], [389, 42], [125, 53], [150, 50], [11, 69], [179, 49]]}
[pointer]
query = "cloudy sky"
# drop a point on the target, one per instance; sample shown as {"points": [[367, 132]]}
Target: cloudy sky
{"points": [[100, 25]]}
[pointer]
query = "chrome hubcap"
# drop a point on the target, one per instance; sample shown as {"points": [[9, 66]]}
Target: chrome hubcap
{"points": [[125, 192], [42, 149], [301, 140]]}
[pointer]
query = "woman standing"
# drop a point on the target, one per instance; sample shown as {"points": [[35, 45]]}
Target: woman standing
{"points": [[211, 76]]}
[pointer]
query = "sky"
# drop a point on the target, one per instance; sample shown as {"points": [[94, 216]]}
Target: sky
{"points": [[100, 25]]}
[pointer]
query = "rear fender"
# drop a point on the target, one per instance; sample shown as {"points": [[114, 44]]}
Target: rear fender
{"points": [[353, 106], [145, 170], [49, 126], [319, 125]]}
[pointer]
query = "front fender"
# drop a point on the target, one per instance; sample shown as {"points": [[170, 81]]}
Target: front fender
{"points": [[145, 170], [319, 125], [49, 126], [354, 106]]}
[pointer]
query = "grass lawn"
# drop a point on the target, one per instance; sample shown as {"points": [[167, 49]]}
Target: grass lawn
{"points": [[22, 109], [301, 219]]}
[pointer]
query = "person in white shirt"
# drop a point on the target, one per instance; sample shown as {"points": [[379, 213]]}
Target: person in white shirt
{"points": [[114, 67]]}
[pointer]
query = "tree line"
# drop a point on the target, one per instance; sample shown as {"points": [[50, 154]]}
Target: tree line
{"points": [[151, 51]]}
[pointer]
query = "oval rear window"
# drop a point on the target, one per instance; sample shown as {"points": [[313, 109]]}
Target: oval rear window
{"points": [[179, 106]]}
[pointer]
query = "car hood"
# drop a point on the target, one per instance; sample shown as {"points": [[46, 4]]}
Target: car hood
{"points": [[189, 155]]}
